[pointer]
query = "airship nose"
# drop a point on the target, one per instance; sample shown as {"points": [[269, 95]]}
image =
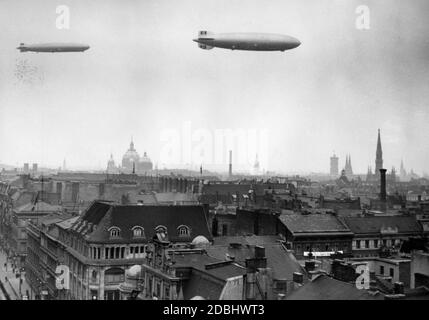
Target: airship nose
{"points": [[196, 40], [296, 43]]}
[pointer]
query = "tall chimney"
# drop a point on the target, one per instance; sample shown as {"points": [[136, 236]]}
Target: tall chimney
{"points": [[230, 163], [383, 185]]}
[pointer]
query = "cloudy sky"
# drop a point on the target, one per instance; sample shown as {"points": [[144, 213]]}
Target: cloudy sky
{"points": [[143, 77]]}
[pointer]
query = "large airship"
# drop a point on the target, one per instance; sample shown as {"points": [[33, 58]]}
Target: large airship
{"points": [[246, 41], [53, 47]]}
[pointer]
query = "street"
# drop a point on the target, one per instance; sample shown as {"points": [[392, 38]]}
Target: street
{"points": [[10, 282]]}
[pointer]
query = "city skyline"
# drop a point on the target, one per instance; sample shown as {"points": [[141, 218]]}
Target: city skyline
{"points": [[143, 75]]}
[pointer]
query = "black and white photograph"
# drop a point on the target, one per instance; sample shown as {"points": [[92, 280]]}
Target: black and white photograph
{"points": [[236, 150]]}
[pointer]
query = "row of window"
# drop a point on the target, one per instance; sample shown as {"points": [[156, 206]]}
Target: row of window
{"points": [[138, 232], [117, 252], [328, 247], [155, 287], [366, 244]]}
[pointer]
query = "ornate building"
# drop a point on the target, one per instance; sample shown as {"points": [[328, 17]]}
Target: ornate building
{"points": [[334, 166], [111, 166], [130, 158], [378, 157], [375, 176], [348, 167], [132, 162]]}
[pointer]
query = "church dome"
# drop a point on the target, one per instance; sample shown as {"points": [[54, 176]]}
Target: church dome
{"points": [[145, 158], [131, 153], [200, 241], [130, 158]]}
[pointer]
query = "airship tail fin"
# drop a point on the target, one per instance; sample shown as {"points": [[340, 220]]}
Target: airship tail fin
{"points": [[204, 46], [22, 47]]}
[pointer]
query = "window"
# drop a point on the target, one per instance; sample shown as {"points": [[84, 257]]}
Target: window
{"points": [[376, 243], [115, 232], [382, 270], [224, 229], [357, 244], [161, 232], [183, 231], [94, 276], [138, 232], [367, 244], [166, 291], [161, 229], [158, 288], [391, 272], [114, 275], [112, 295]]}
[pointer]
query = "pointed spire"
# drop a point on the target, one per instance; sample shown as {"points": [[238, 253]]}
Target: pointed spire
{"points": [[379, 150], [378, 155], [132, 144]]}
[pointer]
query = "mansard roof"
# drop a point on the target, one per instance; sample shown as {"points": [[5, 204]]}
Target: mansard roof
{"points": [[101, 216]]}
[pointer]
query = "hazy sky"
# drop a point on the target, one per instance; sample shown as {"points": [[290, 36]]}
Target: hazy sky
{"points": [[143, 76]]}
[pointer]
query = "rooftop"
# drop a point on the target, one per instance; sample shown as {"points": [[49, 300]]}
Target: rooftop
{"points": [[324, 287], [313, 223], [365, 225]]}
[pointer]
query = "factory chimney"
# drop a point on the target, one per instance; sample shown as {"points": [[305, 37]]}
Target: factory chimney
{"points": [[383, 185], [230, 163]]}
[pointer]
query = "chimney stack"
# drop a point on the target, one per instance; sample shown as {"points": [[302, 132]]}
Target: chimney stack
{"points": [[298, 278], [398, 288], [383, 185], [310, 265], [230, 163]]}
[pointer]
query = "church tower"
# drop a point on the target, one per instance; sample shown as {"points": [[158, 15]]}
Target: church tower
{"points": [[378, 156], [334, 166], [348, 168]]}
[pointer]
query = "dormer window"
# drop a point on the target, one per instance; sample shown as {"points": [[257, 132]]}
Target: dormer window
{"points": [[115, 232], [138, 232], [183, 231], [161, 229]]}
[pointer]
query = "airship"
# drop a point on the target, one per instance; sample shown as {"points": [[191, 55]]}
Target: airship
{"points": [[53, 47], [246, 41]]}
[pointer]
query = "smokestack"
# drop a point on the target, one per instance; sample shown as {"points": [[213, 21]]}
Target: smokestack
{"points": [[298, 278], [230, 163], [398, 288], [383, 185]]}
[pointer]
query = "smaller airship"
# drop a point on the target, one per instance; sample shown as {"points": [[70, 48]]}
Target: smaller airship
{"points": [[53, 47], [246, 41]]}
